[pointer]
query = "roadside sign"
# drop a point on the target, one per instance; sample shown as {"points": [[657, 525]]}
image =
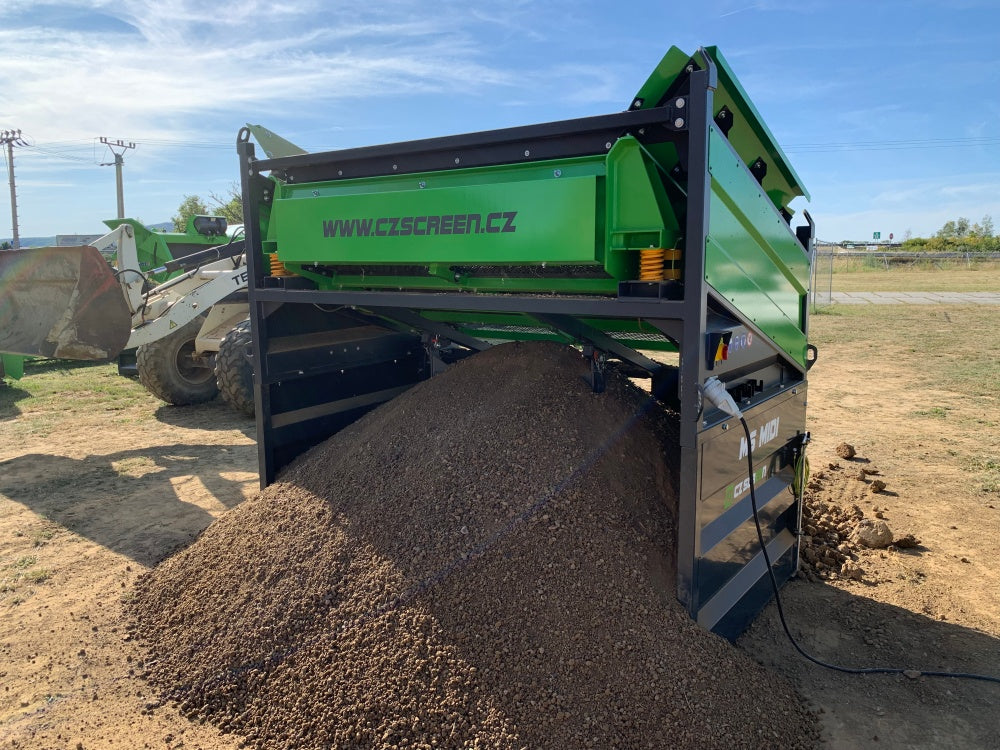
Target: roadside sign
{"points": [[876, 235]]}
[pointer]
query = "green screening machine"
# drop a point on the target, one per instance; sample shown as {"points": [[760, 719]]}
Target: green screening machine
{"points": [[662, 228]]}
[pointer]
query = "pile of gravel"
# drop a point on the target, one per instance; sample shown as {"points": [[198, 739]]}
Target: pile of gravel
{"points": [[484, 562]]}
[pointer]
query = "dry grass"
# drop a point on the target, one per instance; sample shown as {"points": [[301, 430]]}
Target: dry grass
{"points": [[869, 275]]}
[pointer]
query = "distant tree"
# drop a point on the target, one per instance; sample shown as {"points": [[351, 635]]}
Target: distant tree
{"points": [[5, 245], [907, 235], [192, 205], [948, 230], [230, 206], [963, 236], [983, 228]]}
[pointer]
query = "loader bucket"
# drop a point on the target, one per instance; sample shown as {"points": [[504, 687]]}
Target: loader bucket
{"points": [[62, 302]]}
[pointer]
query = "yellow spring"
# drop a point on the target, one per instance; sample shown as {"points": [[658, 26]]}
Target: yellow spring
{"points": [[651, 264], [672, 264], [277, 267]]}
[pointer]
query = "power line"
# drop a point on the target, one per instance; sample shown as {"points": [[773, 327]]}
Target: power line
{"points": [[118, 148], [916, 144], [11, 138]]}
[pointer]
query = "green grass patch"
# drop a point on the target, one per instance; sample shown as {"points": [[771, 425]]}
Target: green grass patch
{"points": [[25, 562], [936, 412], [40, 537], [59, 385], [988, 470], [38, 575]]}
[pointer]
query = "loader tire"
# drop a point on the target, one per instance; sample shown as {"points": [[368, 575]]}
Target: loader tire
{"points": [[234, 369], [168, 371]]}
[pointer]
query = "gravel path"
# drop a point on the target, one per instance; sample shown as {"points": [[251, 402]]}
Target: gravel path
{"points": [[485, 562]]}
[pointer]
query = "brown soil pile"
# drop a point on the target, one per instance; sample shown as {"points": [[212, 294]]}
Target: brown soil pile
{"points": [[484, 562], [837, 532]]}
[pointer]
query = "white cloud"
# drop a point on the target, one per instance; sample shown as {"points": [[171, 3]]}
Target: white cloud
{"points": [[185, 63]]}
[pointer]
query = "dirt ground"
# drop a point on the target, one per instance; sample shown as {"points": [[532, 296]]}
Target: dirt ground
{"points": [[95, 491]]}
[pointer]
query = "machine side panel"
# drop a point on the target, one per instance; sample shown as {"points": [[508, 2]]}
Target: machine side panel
{"points": [[751, 257], [510, 222], [727, 592]]}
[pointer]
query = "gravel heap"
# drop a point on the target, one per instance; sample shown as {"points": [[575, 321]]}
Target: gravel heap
{"points": [[484, 562]]}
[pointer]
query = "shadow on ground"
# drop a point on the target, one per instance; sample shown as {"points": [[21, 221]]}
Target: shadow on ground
{"points": [[214, 415], [139, 503], [9, 396], [891, 711]]}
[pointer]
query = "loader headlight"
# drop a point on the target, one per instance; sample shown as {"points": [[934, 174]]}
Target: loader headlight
{"points": [[210, 226]]}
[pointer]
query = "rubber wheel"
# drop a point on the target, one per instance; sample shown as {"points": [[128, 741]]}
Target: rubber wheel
{"points": [[234, 369], [168, 371]]}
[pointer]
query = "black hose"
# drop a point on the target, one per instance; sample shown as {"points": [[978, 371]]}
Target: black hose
{"points": [[781, 611]]}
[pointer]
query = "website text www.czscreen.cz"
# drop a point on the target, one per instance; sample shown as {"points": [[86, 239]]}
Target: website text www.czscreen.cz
{"points": [[497, 222]]}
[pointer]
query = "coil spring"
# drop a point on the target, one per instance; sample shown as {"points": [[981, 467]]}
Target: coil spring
{"points": [[651, 264], [277, 267]]}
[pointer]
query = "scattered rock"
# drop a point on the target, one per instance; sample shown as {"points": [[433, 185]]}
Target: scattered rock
{"points": [[846, 451], [906, 542], [876, 486], [851, 571], [873, 534]]}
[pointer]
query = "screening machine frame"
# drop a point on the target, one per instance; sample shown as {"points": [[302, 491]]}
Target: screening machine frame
{"points": [[348, 312]]}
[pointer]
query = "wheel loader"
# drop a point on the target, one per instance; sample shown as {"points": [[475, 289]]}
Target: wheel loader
{"points": [[171, 306]]}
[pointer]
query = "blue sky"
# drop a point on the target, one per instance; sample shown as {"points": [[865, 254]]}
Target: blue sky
{"points": [[889, 111]]}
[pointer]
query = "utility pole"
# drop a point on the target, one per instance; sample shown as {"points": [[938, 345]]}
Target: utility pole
{"points": [[11, 138], [118, 162]]}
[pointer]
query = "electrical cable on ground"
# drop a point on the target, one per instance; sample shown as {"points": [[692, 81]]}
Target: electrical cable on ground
{"points": [[781, 612]]}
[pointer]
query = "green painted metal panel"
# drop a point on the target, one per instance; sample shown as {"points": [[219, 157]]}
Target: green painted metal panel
{"points": [[12, 366], [751, 137], [509, 222], [639, 211], [749, 134], [751, 256], [457, 228]]}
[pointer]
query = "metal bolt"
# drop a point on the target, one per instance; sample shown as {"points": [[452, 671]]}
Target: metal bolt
{"points": [[642, 131], [689, 69], [679, 122], [316, 193], [457, 160], [557, 173], [607, 145], [395, 167], [340, 172], [421, 184], [527, 153], [679, 103]]}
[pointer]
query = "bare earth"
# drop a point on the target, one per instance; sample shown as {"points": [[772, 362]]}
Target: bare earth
{"points": [[91, 497]]}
